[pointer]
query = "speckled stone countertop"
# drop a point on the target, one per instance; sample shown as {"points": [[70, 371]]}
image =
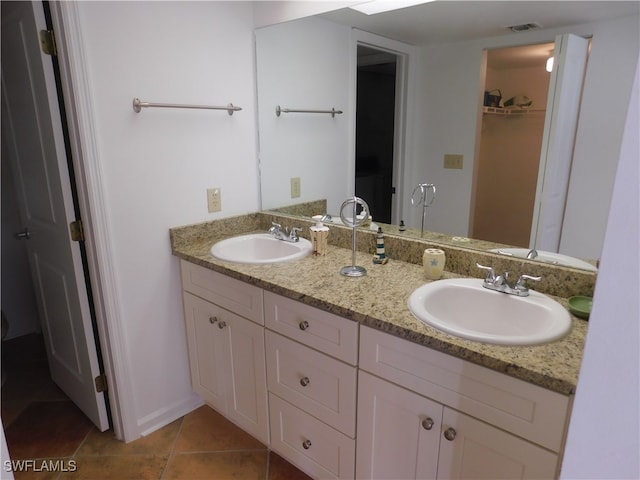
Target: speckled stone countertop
{"points": [[379, 300]]}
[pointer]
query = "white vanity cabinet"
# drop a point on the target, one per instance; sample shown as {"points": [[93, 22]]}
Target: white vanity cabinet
{"points": [[429, 415], [226, 350], [297, 378], [312, 394]]}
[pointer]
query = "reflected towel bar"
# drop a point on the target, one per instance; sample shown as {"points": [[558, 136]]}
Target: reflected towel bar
{"points": [[139, 105], [333, 111]]}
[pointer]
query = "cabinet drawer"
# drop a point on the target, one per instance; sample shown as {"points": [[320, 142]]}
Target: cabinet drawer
{"points": [[232, 294], [519, 407], [313, 446], [329, 333], [316, 383]]}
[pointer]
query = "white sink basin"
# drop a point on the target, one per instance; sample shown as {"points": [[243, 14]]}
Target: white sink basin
{"points": [[548, 257], [464, 308], [260, 248]]}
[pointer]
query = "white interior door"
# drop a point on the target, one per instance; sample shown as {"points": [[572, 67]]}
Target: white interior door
{"points": [[563, 104], [32, 128]]}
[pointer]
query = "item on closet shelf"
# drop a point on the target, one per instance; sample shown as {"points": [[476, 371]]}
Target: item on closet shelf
{"points": [[380, 257], [491, 99], [433, 261], [521, 101], [319, 238]]}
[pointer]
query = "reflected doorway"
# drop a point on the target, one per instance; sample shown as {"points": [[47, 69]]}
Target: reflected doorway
{"points": [[510, 143], [375, 130]]}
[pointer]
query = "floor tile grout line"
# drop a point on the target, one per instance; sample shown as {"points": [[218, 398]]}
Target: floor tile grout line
{"points": [[172, 449]]}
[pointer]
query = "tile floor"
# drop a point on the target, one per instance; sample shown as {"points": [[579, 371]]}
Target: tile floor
{"points": [[42, 425]]}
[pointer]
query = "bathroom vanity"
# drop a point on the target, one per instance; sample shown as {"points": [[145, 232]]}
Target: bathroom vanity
{"points": [[337, 376]]}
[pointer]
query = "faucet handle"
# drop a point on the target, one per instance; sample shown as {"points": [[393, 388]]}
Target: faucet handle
{"points": [[491, 276], [520, 284], [293, 235]]}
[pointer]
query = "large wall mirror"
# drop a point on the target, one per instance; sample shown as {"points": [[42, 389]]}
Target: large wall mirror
{"points": [[436, 61]]}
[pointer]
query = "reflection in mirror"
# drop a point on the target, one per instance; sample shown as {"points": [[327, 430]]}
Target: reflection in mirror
{"points": [[311, 62]]}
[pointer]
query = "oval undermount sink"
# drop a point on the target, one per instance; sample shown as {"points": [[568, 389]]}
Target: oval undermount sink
{"points": [[548, 257], [260, 248], [464, 308]]}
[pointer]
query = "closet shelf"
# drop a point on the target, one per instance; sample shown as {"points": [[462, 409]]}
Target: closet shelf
{"points": [[511, 111]]}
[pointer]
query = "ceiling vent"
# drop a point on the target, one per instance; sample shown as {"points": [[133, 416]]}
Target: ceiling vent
{"points": [[525, 27]]}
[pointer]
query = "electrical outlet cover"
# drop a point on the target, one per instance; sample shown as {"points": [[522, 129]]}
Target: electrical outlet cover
{"points": [[214, 200]]}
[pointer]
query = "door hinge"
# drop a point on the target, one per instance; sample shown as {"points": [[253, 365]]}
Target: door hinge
{"points": [[77, 231], [101, 383], [48, 42]]}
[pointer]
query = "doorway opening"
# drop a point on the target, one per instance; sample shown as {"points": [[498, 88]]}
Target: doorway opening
{"points": [[36, 148], [376, 89], [513, 121]]}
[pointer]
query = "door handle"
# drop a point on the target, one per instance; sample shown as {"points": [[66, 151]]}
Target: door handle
{"points": [[24, 235]]}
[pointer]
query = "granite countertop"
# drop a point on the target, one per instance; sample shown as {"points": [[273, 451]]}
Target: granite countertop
{"points": [[379, 300]]}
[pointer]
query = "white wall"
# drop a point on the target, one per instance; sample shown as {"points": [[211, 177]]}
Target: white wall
{"points": [[610, 69], [450, 76], [157, 165], [603, 439], [310, 73]]}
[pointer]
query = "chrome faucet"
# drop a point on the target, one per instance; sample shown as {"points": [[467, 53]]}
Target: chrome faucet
{"points": [[533, 253], [283, 234], [500, 283]]}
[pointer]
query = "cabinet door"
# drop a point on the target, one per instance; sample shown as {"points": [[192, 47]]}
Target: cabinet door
{"points": [[227, 360], [246, 375], [208, 354], [398, 432], [472, 449]]}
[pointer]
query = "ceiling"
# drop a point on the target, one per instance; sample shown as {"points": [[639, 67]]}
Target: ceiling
{"points": [[448, 21]]}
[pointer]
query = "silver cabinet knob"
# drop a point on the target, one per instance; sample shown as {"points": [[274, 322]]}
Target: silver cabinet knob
{"points": [[304, 325], [427, 423], [222, 324], [450, 434], [24, 235], [213, 319], [304, 381], [306, 444]]}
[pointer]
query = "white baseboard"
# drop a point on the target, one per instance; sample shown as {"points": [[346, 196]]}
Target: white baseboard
{"points": [[165, 416]]}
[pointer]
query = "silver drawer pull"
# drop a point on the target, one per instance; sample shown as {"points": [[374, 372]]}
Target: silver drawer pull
{"points": [[427, 423], [222, 324], [306, 444], [450, 434], [304, 325], [304, 381], [213, 320]]}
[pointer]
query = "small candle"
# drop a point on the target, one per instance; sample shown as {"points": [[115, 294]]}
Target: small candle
{"points": [[433, 261]]}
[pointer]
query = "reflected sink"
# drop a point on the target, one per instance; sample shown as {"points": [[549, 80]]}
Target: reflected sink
{"points": [[464, 308], [260, 248], [548, 257]]}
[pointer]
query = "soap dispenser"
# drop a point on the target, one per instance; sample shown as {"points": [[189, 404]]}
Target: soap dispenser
{"points": [[319, 238], [380, 257]]}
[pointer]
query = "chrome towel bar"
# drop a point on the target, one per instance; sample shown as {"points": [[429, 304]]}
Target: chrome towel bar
{"points": [[333, 111], [139, 105]]}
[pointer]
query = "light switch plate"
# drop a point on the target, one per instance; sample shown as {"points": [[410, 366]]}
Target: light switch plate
{"points": [[453, 161], [214, 200]]}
